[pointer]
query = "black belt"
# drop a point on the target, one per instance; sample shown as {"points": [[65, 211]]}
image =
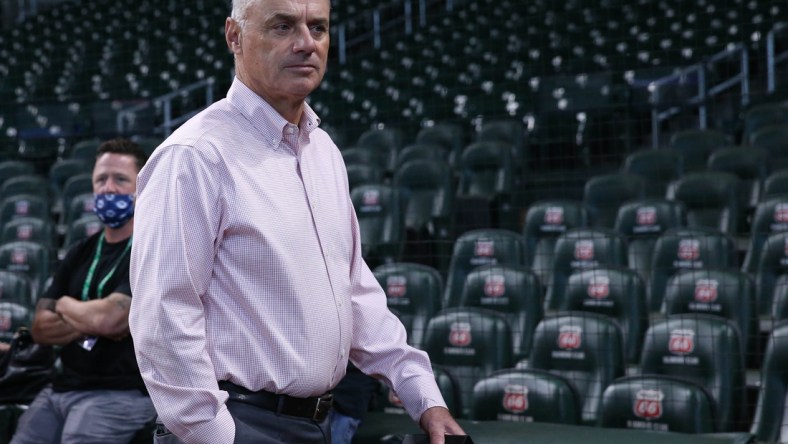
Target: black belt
{"points": [[315, 408]]}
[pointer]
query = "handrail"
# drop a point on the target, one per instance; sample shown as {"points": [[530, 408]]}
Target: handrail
{"points": [[704, 91], [346, 41], [170, 122], [773, 59]]}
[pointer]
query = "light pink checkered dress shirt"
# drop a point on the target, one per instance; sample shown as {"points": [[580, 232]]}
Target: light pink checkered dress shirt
{"points": [[246, 266]]}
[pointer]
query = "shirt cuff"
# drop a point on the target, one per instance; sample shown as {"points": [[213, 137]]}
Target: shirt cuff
{"points": [[220, 430]]}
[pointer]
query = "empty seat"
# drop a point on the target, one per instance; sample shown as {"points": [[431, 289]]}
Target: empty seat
{"points": [[658, 166], [521, 395], [580, 249], [749, 164], [696, 146], [641, 222], [477, 248], [514, 292], [469, 343], [586, 349], [775, 185], [448, 135], [712, 200], [24, 205], [729, 294], [615, 292], [686, 248], [363, 174], [379, 213], [772, 264], [485, 186], [771, 216], [761, 116], [15, 168], [415, 292], [603, 195], [702, 349], [774, 140], [545, 221], [427, 185], [15, 287], [657, 403], [29, 258], [29, 229], [768, 425]]}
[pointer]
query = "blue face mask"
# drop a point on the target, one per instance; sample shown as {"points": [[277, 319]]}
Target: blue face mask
{"points": [[114, 210]]}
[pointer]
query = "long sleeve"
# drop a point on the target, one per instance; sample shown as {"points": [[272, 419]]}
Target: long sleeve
{"points": [[175, 233]]}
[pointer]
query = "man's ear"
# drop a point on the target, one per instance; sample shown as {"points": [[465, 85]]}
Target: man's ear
{"points": [[232, 34]]}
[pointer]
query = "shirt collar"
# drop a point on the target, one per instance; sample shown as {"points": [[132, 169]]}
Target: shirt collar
{"points": [[264, 117]]}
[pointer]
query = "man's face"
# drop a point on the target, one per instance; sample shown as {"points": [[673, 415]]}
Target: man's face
{"points": [[115, 174], [282, 50]]}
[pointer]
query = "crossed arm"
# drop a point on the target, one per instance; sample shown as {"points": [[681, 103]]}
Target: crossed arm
{"points": [[58, 322]]}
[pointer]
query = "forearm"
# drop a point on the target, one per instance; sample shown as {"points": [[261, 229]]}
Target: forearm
{"points": [[106, 317], [49, 328]]}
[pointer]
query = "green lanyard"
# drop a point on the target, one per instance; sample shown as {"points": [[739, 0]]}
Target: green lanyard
{"points": [[94, 264]]}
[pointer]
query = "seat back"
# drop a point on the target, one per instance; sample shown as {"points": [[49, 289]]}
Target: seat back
{"points": [[29, 258], [24, 205], [771, 216], [774, 140], [428, 186], [761, 116], [545, 221], [481, 247], [513, 292], [657, 403], [29, 229], [603, 195], [726, 293], [615, 292], [702, 349], [641, 222], [697, 145], [770, 412], [13, 316], [521, 395], [379, 212], [749, 164], [579, 249], [469, 343], [15, 168], [658, 166], [586, 349], [686, 248], [15, 287], [712, 200], [362, 174], [486, 169], [448, 135], [415, 292], [776, 184]]}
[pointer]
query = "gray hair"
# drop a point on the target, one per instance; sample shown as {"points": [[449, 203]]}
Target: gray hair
{"points": [[238, 12]]}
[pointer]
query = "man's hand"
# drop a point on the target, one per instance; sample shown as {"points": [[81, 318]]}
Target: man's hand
{"points": [[438, 422]]}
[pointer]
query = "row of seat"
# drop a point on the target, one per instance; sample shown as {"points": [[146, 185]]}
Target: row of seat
{"points": [[576, 371]]}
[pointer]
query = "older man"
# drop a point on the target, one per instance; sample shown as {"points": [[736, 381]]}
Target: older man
{"points": [[250, 290]]}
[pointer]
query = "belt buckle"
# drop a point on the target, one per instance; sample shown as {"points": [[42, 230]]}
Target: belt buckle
{"points": [[322, 405]]}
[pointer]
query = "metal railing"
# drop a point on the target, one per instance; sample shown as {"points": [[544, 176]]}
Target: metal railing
{"points": [[699, 73], [772, 58], [127, 116], [365, 35]]}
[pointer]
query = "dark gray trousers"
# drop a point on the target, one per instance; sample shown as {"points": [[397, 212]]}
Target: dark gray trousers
{"points": [[254, 425]]}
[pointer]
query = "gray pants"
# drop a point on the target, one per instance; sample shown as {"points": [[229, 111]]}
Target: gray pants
{"points": [[254, 425], [84, 417]]}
